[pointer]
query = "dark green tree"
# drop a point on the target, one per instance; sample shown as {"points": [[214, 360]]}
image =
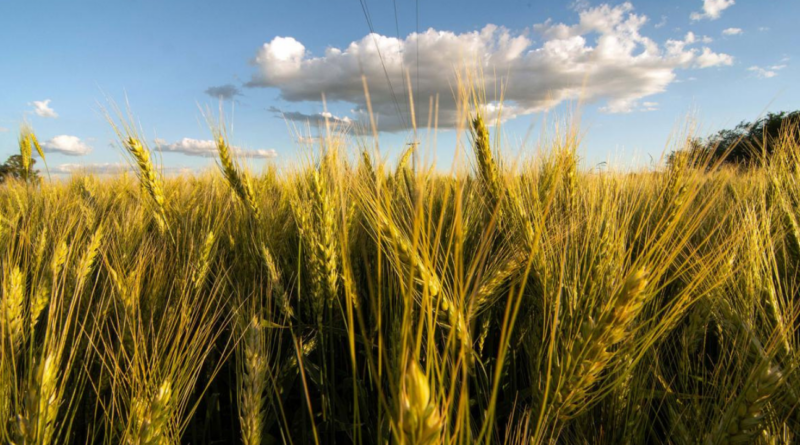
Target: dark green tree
{"points": [[13, 168]]}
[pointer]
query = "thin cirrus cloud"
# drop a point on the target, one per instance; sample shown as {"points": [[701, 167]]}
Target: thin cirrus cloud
{"points": [[766, 72], [67, 145], [224, 92], [602, 57], [649, 106], [712, 9], [42, 109], [208, 148]]}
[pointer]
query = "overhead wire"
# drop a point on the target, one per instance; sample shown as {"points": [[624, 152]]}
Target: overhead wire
{"points": [[368, 17]]}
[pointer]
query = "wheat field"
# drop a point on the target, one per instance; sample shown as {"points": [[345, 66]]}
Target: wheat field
{"points": [[355, 300]]}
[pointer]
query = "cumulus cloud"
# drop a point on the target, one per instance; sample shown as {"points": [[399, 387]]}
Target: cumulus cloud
{"points": [[603, 57], [208, 148], [708, 58], [766, 72], [712, 9], [67, 145], [225, 92], [732, 31], [42, 109]]}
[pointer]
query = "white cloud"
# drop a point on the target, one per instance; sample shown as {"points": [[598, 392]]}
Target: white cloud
{"points": [[580, 5], [101, 168], [763, 28], [732, 31], [649, 106], [107, 168], [661, 23], [42, 109], [708, 58], [3, 129], [208, 148], [603, 57], [712, 9], [766, 73], [68, 145]]}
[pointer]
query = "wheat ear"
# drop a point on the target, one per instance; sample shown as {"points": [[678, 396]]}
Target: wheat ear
{"points": [[204, 262], [591, 353], [420, 419], [253, 384], [238, 180], [150, 418], [326, 245], [13, 308], [408, 254], [149, 178], [745, 421]]}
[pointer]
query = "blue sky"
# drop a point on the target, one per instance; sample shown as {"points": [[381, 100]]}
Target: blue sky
{"points": [[640, 66]]}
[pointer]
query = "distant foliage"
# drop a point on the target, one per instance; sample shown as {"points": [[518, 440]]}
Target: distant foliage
{"points": [[749, 142]]}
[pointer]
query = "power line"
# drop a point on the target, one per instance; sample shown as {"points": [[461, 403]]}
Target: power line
{"points": [[403, 61], [367, 16]]}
